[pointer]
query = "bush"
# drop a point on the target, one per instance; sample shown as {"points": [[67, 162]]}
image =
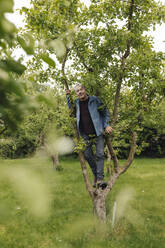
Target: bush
{"points": [[156, 143], [7, 148]]}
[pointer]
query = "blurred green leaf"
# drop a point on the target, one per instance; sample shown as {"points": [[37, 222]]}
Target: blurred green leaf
{"points": [[31, 189], [2, 44], [6, 6], [6, 26], [12, 65], [44, 99], [27, 45]]}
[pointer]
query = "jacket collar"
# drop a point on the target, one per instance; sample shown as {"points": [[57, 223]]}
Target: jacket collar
{"points": [[91, 98]]}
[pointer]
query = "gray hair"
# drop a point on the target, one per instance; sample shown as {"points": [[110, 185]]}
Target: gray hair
{"points": [[79, 85]]}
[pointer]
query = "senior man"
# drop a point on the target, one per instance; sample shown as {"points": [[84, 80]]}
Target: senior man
{"points": [[92, 122]]}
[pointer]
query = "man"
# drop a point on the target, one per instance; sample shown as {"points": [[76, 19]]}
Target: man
{"points": [[92, 121]]}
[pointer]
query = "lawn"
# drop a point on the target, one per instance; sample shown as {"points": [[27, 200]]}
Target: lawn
{"points": [[43, 208]]}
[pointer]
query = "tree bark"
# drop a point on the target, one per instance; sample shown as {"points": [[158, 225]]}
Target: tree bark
{"points": [[99, 205], [112, 152]]}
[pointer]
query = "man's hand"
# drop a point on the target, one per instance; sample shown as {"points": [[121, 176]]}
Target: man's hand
{"points": [[108, 129], [67, 92]]}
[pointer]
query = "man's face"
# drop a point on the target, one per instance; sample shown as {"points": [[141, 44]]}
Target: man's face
{"points": [[81, 93]]}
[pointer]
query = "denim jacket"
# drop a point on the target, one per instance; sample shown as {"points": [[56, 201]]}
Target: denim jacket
{"points": [[99, 115]]}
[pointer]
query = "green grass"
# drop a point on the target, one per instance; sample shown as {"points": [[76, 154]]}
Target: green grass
{"points": [[69, 220]]}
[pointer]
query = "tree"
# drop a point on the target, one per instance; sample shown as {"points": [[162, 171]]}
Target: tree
{"points": [[105, 48]]}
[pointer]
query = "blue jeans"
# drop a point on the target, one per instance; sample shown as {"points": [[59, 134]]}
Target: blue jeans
{"points": [[96, 163]]}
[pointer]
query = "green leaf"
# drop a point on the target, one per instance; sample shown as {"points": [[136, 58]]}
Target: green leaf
{"points": [[48, 60]]}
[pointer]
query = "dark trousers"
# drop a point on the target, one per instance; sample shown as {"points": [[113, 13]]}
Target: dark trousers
{"points": [[96, 163]]}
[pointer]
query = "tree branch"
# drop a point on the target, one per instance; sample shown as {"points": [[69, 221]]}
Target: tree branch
{"points": [[123, 60], [117, 169], [120, 170], [81, 155], [63, 69], [85, 174], [131, 154], [112, 152], [111, 182], [89, 69]]}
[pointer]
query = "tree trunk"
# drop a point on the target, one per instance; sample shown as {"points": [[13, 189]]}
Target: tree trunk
{"points": [[55, 161], [99, 205]]}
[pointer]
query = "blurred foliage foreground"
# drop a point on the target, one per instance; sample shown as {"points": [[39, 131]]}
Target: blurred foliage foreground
{"points": [[42, 208]]}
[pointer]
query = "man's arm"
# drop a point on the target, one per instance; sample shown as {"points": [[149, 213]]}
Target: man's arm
{"points": [[73, 114], [106, 120], [68, 98], [106, 117]]}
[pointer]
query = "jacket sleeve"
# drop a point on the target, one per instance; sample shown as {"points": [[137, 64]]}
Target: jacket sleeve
{"points": [[104, 112], [69, 105], [68, 101]]}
